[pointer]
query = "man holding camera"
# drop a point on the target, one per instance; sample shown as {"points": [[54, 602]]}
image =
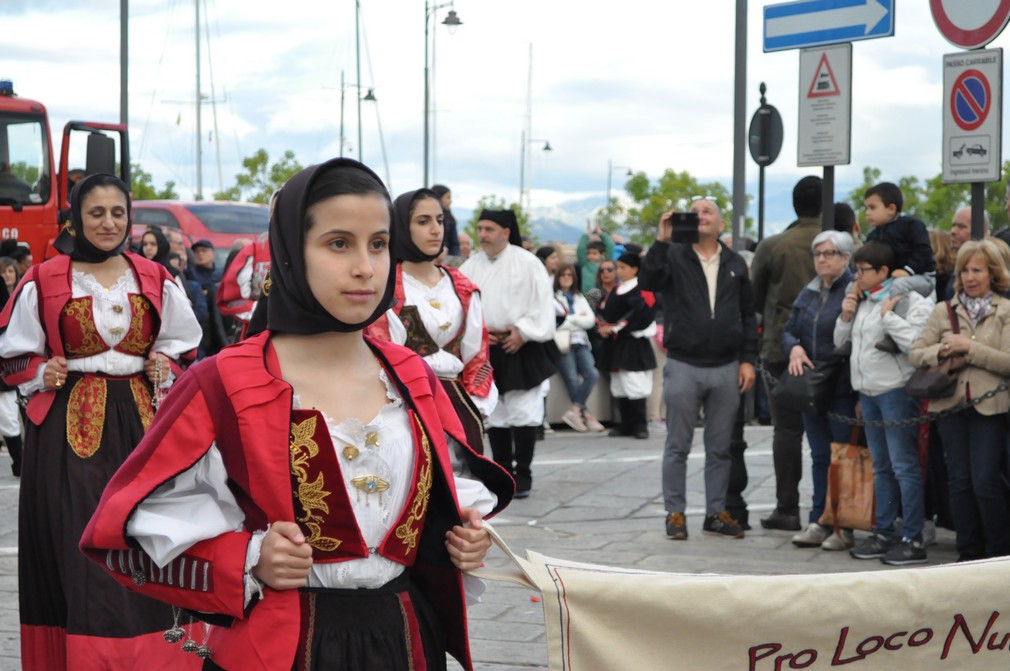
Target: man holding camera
{"points": [[711, 344]]}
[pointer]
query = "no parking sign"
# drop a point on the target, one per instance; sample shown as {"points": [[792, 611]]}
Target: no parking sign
{"points": [[972, 85]]}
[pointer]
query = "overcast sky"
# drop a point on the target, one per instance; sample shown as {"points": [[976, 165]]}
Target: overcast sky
{"points": [[647, 84]]}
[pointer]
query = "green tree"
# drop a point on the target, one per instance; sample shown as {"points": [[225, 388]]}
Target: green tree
{"points": [[142, 186], [673, 190], [495, 202], [612, 217], [29, 174], [260, 178], [933, 201]]}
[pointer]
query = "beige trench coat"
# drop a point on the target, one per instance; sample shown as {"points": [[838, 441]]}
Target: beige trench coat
{"points": [[988, 359]]}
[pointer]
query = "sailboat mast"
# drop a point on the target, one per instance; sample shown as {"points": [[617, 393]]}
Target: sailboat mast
{"points": [[199, 128]]}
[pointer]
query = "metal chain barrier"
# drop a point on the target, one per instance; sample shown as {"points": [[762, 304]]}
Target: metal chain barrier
{"points": [[770, 383]]}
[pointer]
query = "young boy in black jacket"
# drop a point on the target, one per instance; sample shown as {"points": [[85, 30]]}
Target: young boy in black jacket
{"points": [[915, 266]]}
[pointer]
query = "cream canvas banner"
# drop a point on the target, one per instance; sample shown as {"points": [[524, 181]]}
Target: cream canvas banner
{"points": [[601, 618]]}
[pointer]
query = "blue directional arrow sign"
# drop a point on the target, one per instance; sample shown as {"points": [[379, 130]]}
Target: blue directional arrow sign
{"points": [[812, 23]]}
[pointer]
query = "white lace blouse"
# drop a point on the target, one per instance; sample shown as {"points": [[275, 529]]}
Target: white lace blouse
{"points": [[442, 315], [179, 333], [197, 504]]}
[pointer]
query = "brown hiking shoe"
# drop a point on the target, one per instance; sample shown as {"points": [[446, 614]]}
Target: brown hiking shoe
{"points": [[676, 526], [723, 525]]}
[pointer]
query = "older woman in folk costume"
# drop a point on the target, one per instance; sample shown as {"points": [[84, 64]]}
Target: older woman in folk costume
{"points": [[437, 313], [308, 492], [85, 336]]}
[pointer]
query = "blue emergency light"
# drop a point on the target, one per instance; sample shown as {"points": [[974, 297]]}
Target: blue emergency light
{"points": [[6, 87]]}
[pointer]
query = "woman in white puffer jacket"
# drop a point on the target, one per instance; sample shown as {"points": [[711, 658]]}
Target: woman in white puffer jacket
{"points": [[577, 366]]}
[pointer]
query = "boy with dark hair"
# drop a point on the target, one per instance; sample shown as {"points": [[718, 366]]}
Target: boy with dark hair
{"points": [[914, 268], [594, 246]]}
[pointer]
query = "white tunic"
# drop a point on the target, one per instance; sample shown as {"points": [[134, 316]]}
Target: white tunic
{"points": [[516, 291], [442, 316]]}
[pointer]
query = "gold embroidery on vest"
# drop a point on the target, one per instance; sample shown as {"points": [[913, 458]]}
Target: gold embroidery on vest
{"points": [[91, 343], [408, 531], [142, 397], [86, 415], [134, 342], [311, 494]]}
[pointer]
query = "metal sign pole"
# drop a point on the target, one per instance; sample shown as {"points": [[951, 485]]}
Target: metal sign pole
{"points": [[978, 231], [828, 199]]}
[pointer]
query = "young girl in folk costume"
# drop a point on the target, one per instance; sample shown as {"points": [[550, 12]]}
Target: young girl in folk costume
{"points": [[297, 491], [628, 323], [437, 313], [85, 337]]}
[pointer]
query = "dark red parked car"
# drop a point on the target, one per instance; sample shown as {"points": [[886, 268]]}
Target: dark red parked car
{"points": [[221, 222]]}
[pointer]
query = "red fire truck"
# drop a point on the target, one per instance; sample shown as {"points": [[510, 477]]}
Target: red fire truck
{"points": [[33, 194]]}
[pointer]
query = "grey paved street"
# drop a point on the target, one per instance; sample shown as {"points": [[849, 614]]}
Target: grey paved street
{"points": [[595, 499]]}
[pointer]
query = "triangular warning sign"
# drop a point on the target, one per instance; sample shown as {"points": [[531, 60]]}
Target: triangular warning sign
{"points": [[824, 84]]}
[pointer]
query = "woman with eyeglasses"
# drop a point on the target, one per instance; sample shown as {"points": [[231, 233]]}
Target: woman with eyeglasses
{"points": [[606, 279], [577, 366], [806, 341]]}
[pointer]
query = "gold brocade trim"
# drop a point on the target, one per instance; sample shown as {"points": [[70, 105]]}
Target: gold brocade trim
{"points": [[91, 342], [310, 632], [407, 638], [134, 342], [86, 415], [311, 494], [142, 397], [408, 531]]}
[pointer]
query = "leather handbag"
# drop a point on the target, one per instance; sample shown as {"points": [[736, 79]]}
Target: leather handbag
{"points": [[812, 391], [939, 381], [851, 503]]}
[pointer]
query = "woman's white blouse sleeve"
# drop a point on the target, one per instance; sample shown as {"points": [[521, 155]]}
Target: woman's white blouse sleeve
{"points": [[180, 331]]}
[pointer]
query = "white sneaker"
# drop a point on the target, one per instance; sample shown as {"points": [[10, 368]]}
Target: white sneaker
{"points": [[573, 418], [833, 543], [812, 536], [592, 423]]}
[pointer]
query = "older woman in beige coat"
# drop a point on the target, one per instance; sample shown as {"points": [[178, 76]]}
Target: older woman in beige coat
{"points": [[975, 438]]}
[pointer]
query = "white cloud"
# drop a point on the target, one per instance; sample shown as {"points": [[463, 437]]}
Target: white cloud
{"points": [[646, 84]]}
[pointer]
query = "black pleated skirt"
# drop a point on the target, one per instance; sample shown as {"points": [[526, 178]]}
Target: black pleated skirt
{"points": [[93, 425], [391, 628]]}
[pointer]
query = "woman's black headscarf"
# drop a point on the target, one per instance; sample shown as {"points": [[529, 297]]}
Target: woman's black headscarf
{"points": [[72, 241], [291, 306], [404, 248]]}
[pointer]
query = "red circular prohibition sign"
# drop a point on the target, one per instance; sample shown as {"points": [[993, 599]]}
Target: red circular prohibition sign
{"points": [[970, 39], [964, 101]]}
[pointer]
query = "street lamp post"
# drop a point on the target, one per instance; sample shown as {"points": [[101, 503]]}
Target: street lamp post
{"points": [[368, 97], [610, 172], [523, 190], [452, 22]]}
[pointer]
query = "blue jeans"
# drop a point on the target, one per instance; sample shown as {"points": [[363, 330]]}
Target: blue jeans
{"points": [[821, 432], [578, 362], [897, 475], [974, 446]]}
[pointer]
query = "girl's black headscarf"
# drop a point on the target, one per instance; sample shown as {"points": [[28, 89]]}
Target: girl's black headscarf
{"points": [[72, 241], [164, 248], [291, 306], [404, 248]]}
